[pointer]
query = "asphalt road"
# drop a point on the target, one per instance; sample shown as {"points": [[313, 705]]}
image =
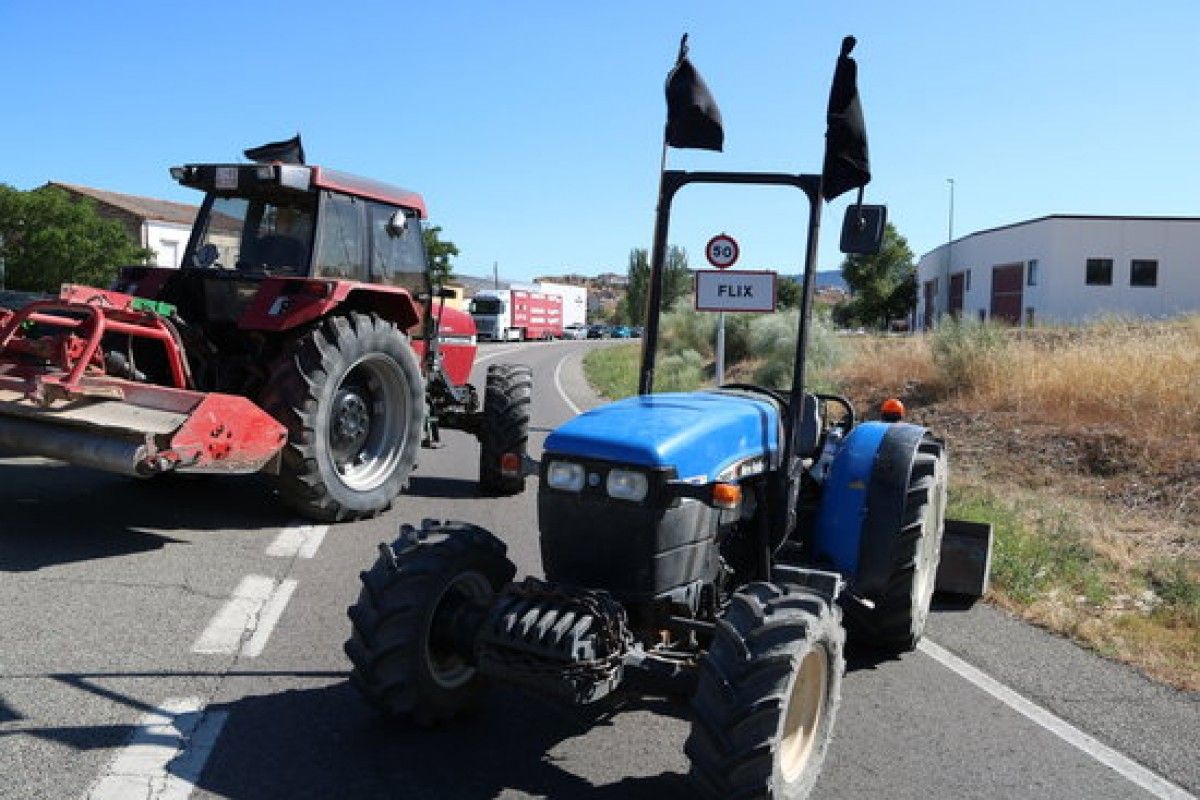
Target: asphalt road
{"points": [[161, 639]]}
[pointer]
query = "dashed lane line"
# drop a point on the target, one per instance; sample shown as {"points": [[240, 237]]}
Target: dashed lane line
{"points": [[165, 754], [298, 541], [254, 609], [1131, 770], [268, 618]]}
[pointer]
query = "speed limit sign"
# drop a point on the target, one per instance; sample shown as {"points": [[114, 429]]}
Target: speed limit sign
{"points": [[722, 251]]}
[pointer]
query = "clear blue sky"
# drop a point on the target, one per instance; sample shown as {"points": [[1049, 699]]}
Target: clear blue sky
{"points": [[534, 128]]}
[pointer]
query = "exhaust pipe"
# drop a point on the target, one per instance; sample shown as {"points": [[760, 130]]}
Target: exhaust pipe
{"points": [[74, 445]]}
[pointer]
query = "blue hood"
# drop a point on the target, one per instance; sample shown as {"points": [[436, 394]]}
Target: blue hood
{"points": [[699, 434]]}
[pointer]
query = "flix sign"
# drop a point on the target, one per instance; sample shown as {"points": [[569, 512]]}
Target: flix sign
{"points": [[731, 290]]}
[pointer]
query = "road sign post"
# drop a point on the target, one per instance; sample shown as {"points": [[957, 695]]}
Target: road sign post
{"points": [[722, 252], [727, 290]]}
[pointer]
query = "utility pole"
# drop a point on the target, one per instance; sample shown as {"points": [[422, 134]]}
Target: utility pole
{"points": [[495, 275], [949, 244]]}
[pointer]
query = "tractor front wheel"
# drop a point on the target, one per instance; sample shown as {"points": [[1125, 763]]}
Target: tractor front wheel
{"points": [[767, 695], [505, 430], [404, 663], [351, 395]]}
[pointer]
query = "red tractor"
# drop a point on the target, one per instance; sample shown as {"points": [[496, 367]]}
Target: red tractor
{"points": [[302, 338]]}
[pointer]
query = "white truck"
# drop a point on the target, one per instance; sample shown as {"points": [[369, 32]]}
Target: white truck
{"points": [[536, 311], [574, 301]]}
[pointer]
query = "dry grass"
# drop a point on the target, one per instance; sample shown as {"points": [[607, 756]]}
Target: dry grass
{"points": [[1082, 446], [1137, 381]]}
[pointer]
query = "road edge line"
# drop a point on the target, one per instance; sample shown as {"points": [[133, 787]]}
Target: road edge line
{"points": [[1129, 769]]}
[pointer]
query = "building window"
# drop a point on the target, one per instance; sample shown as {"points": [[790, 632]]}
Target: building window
{"points": [[1143, 272], [1031, 272], [967, 282], [1029, 317], [1099, 271]]}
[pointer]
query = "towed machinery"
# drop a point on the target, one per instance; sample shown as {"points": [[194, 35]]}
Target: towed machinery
{"points": [[302, 338], [716, 544]]}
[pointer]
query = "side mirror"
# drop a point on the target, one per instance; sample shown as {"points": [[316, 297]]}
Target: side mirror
{"points": [[862, 230], [397, 224]]}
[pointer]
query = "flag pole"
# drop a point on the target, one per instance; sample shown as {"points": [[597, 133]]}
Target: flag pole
{"points": [[658, 255]]}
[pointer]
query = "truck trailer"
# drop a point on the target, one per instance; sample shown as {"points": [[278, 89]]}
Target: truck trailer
{"points": [[503, 315]]}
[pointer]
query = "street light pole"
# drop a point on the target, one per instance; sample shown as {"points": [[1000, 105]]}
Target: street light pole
{"points": [[949, 243]]}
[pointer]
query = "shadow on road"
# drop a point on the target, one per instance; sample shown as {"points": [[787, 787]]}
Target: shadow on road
{"points": [[324, 742], [445, 488], [56, 514], [347, 751]]}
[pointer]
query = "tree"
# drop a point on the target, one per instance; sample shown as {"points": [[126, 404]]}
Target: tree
{"points": [[677, 281], [788, 293], [883, 287], [48, 239], [439, 253]]}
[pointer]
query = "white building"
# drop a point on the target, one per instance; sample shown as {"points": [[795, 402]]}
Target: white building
{"points": [[1064, 269], [159, 225]]}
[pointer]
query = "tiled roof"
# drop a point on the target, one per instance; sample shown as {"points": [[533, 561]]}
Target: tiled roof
{"points": [[143, 207]]}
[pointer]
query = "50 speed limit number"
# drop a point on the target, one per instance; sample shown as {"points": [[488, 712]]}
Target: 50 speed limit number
{"points": [[722, 251]]}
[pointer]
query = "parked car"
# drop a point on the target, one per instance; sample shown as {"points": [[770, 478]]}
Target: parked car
{"points": [[636, 331], [599, 332], [622, 332], [576, 331]]}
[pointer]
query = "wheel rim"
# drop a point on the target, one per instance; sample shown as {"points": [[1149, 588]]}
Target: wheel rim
{"points": [[366, 429], [447, 668], [805, 709], [923, 580]]}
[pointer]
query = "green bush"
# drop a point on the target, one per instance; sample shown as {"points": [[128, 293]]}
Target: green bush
{"points": [[680, 372], [966, 353], [773, 339]]}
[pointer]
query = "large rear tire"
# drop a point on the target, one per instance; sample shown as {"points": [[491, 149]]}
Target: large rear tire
{"points": [[897, 622], [767, 695], [506, 414], [401, 665], [351, 395]]}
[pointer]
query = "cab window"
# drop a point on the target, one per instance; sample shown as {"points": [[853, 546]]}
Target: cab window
{"points": [[340, 247], [397, 258]]}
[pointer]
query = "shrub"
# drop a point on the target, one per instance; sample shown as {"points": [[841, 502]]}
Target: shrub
{"points": [[968, 354]]}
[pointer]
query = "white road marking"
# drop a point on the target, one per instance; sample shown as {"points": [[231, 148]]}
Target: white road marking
{"points": [[1131, 770], [558, 385], [298, 541], [165, 754], [255, 607], [268, 618]]}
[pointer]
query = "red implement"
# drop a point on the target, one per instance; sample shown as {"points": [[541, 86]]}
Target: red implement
{"points": [[58, 400]]}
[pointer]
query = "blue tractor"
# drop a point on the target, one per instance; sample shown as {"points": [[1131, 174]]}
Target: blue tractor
{"points": [[720, 543]]}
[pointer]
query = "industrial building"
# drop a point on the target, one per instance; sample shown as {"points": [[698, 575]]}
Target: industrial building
{"points": [[1064, 269]]}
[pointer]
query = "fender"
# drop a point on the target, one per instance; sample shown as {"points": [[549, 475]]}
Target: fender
{"points": [[282, 304], [863, 501]]}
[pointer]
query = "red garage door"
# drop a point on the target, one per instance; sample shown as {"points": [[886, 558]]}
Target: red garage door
{"points": [[957, 287], [1006, 292]]}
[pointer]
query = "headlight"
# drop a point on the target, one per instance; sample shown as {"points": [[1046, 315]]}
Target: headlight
{"points": [[625, 484], [565, 476]]}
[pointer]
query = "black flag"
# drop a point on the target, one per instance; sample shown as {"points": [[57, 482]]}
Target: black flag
{"points": [[846, 163], [693, 119], [289, 151]]}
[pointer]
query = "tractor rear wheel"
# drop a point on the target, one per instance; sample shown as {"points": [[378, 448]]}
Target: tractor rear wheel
{"points": [[403, 663], [505, 431], [767, 695], [897, 622], [351, 395]]}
